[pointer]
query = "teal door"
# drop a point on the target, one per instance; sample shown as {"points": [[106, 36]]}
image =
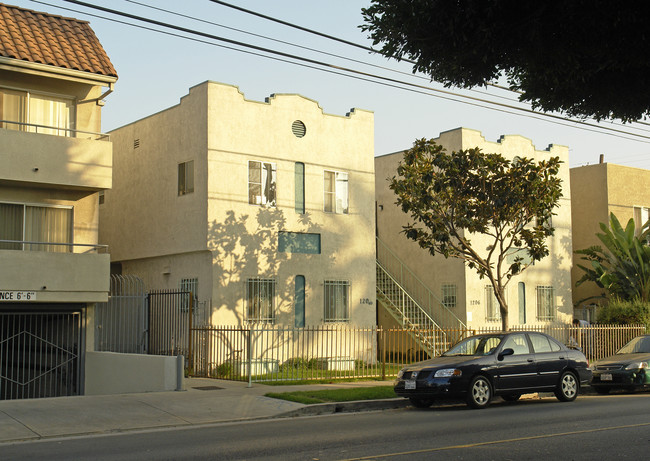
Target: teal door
{"points": [[300, 302]]}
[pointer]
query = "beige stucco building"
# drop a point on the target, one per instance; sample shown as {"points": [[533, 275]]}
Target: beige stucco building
{"points": [[264, 210], [541, 294], [53, 164], [596, 191]]}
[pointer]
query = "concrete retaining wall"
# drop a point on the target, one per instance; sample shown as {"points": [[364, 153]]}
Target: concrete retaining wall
{"points": [[114, 373]]}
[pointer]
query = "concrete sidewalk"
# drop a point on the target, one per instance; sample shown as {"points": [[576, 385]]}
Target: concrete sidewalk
{"points": [[204, 401]]}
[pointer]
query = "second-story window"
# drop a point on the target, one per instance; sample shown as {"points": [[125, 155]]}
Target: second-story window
{"points": [[261, 183], [35, 228], [37, 113], [335, 192], [186, 177]]}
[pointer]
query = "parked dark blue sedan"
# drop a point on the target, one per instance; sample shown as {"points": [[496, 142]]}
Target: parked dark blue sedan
{"points": [[504, 364]]}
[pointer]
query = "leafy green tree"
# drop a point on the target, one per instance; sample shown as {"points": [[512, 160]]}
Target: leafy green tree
{"points": [[622, 267], [587, 58], [454, 196]]}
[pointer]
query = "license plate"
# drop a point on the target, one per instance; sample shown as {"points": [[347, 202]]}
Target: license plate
{"points": [[409, 385], [606, 377]]}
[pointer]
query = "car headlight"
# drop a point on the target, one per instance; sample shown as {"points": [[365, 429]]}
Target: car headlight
{"points": [[447, 373], [637, 366], [400, 373]]}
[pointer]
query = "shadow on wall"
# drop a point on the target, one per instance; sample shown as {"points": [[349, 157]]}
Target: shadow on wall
{"points": [[241, 251]]}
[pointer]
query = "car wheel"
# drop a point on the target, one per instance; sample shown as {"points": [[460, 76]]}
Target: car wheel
{"points": [[567, 388], [602, 390], [480, 392], [420, 402], [511, 397]]}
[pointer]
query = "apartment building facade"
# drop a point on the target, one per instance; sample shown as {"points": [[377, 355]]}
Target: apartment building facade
{"points": [[263, 210], [596, 191], [54, 162], [541, 294]]}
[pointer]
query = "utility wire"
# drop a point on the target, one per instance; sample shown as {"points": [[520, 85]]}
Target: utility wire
{"points": [[347, 42], [342, 69], [332, 54], [409, 74], [304, 29]]}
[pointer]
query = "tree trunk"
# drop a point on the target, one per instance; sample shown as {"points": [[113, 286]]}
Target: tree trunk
{"points": [[504, 318], [503, 307]]}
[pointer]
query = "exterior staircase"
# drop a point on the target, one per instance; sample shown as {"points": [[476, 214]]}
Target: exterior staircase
{"points": [[414, 306]]}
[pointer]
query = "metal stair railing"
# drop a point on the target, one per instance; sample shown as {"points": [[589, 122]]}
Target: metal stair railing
{"points": [[411, 283], [409, 314]]}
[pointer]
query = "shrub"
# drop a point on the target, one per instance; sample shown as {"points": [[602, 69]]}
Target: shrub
{"points": [[621, 312], [225, 370], [296, 363]]}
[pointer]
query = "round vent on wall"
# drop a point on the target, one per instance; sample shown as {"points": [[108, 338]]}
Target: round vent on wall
{"points": [[299, 129]]}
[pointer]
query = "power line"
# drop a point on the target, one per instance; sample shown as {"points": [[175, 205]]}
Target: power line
{"points": [[344, 69], [339, 71], [347, 42], [410, 74], [306, 29]]}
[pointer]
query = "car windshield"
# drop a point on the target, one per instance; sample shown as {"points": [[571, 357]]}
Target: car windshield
{"points": [[476, 345], [637, 345]]}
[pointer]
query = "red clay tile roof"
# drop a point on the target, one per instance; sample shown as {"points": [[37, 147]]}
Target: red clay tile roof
{"points": [[49, 39]]}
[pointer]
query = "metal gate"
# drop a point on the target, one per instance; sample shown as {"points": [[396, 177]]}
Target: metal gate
{"points": [[170, 313], [39, 354], [121, 324]]}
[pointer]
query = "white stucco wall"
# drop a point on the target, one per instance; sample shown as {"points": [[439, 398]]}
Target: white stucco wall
{"points": [[436, 270], [152, 230]]}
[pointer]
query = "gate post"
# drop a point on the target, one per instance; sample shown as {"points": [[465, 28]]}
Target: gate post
{"points": [[180, 372], [190, 358], [383, 354], [250, 356]]}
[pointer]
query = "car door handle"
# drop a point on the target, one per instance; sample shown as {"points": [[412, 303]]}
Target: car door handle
{"points": [[531, 360]]}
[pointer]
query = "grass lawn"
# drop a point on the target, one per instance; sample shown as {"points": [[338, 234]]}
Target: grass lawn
{"points": [[336, 395]]}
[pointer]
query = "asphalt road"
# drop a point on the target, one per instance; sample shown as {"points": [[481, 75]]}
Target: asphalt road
{"points": [[592, 427]]}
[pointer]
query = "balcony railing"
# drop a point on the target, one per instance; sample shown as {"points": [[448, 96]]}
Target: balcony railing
{"points": [[54, 130], [53, 247]]}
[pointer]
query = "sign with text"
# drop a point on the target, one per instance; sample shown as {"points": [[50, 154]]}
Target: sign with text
{"points": [[17, 296]]}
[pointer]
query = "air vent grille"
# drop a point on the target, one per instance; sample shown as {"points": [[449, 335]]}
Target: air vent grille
{"points": [[298, 128]]}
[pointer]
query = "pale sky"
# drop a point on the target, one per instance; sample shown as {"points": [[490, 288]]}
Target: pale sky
{"points": [[155, 70]]}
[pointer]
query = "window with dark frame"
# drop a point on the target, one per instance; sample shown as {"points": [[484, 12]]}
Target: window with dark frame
{"points": [[260, 300], [186, 178], [336, 301]]}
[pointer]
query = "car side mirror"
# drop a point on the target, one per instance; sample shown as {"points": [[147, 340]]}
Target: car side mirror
{"points": [[505, 352]]}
